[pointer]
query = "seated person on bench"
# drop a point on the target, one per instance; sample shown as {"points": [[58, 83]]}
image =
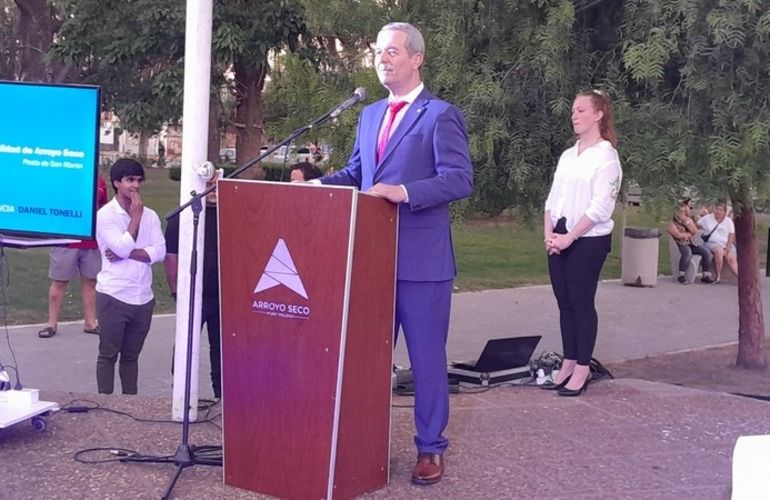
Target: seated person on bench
{"points": [[682, 228], [719, 237]]}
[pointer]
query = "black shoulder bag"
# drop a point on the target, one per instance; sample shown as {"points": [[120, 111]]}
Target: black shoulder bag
{"points": [[706, 237]]}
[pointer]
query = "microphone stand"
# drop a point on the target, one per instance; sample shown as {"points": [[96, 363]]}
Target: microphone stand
{"points": [[186, 454], [318, 121]]}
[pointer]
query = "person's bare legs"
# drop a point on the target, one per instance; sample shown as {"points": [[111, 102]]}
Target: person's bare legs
{"points": [[88, 292], [732, 261], [567, 367], [719, 260], [580, 373], [55, 299]]}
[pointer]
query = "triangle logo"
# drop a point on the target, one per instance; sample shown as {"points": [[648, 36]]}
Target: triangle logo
{"points": [[280, 270]]}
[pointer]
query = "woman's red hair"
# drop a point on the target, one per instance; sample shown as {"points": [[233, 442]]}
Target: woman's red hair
{"points": [[601, 102]]}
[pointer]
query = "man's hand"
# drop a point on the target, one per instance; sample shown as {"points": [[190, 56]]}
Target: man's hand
{"points": [[136, 207], [111, 256], [390, 192]]}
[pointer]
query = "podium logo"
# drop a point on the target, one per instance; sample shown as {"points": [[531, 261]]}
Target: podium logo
{"points": [[280, 270]]}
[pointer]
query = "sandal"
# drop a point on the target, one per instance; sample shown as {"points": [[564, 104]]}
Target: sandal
{"points": [[95, 330], [46, 333]]}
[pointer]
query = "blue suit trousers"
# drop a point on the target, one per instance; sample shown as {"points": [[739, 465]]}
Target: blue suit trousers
{"points": [[422, 310]]}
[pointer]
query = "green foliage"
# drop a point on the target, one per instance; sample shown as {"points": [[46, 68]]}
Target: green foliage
{"points": [[704, 110], [689, 78], [248, 30], [134, 51], [299, 93], [277, 172], [513, 68], [646, 60], [7, 43]]}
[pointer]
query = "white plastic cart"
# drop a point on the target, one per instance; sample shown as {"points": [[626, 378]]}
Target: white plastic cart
{"points": [[17, 406]]}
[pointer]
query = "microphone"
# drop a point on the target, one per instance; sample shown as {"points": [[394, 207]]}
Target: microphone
{"points": [[358, 95]]}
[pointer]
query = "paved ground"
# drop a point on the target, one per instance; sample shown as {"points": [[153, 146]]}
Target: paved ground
{"points": [[623, 439]]}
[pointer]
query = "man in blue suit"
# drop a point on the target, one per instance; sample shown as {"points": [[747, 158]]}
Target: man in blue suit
{"points": [[412, 149]]}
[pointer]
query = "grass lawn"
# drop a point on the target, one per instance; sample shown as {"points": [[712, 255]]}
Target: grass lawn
{"points": [[503, 254], [490, 254], [25, 272]]}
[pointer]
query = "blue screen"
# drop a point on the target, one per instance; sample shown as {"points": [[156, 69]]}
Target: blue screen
{"points": [[49, 157]]}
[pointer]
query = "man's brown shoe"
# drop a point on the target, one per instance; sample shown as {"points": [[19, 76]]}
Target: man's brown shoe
{"points": [[429, 469]]}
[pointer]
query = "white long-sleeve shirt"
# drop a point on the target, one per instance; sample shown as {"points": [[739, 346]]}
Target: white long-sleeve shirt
{"points": [[586, 184], [127, 280], [409, 99]]}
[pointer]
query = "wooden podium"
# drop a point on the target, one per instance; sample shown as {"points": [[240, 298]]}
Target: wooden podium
{"points": [[307, 293]]}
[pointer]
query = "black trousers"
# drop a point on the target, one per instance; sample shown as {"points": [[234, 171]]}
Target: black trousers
{"points": [[574, 278], [122, 331], [210, 318]]}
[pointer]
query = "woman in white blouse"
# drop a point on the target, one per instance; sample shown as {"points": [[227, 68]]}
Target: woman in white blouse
{"points": [[577, 230], [719, 237]]}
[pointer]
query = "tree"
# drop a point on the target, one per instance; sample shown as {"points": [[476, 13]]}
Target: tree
{"points": [[699, 80], [335, 57], [245, 34], [690, 82], [135, 51], [27, 29], [8, 14], [507, 65], [513, 68]]}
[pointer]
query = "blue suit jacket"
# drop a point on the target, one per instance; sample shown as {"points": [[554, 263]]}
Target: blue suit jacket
{"points": [[428, 153]]}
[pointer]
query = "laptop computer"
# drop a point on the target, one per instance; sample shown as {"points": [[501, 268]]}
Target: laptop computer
{"points": [[501, 360]]}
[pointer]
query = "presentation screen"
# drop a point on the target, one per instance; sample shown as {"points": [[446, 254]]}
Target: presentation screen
{"points": [[49, 156]]}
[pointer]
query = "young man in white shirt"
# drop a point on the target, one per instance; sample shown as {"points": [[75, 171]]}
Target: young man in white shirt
{"points": [[130, 241]]}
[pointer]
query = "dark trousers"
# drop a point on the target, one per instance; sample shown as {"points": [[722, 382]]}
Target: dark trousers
{"points": [[123, 328], [686, 252], [574, 278], [422, 309], [210, 317]]}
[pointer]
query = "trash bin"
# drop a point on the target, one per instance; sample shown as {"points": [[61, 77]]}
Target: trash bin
{"points": [[639, 256]]}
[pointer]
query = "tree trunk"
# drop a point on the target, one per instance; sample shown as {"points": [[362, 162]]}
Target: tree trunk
{"points": [[35, 29], [144, 145], [248, 116], [751, 322], [214, 132]]}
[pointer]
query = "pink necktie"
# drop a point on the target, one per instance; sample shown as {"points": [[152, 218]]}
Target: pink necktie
{"points": [[395, 107]]}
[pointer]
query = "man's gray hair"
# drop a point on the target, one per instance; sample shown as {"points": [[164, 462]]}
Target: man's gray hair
{"points": [[414, 41]]}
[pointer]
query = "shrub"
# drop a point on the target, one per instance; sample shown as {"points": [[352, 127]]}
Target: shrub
{"points": [[273, 171]]}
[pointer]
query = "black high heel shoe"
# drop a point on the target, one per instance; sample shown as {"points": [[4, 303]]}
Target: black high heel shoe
{"points": [[550, 386], [574, 392]]}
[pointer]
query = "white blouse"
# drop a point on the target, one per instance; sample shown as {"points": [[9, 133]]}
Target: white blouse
{"points": [[586, 184], [720, 231]]}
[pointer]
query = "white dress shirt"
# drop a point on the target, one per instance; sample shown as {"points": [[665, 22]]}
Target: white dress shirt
{"points": [[409, 99], [586, 184], [127, 280]]}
